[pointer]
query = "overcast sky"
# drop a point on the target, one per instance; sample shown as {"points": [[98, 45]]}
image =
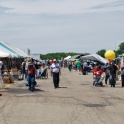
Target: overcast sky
{"points": [[46, 26]]}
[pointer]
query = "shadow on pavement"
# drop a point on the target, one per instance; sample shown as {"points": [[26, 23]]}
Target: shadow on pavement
{"points": [[94, 105], [39, 90], [62, 87], [20, 90], [85, 84]]}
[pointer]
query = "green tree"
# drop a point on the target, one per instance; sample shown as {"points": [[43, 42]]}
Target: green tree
{"points": [[58, 56], [121, 49], [101, 53]]}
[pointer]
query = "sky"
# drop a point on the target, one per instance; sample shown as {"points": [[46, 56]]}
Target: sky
{"points": [[49, 26]]}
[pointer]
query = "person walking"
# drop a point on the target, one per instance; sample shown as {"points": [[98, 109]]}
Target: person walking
{"points": [[85, 68], [55, 72], [31, 76], [23, 69], [113, 71], [106, 70], [122, 74], [79, 64], [69, 65]]}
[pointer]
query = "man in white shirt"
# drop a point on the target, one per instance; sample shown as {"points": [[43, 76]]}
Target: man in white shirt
{"points": [[55, 72]]}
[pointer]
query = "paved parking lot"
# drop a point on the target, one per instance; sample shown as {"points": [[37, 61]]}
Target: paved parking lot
{"points": [[77, 101]]}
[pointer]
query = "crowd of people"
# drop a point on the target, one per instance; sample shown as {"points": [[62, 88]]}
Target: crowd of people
{"points": [[32, 70], [108, 71]]}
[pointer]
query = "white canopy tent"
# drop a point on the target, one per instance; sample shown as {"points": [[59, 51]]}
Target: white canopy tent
{"points": [[11, 55], [24, 54], [4, 54], [19, 53], [95, 57], [76, 57], [67, 58]]}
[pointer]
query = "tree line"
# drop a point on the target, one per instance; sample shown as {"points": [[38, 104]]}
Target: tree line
{"points": [[117, 52], [58, 55], [62, 55]]}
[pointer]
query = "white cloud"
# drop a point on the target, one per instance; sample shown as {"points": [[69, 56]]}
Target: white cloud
{"points": [[58, 7]]}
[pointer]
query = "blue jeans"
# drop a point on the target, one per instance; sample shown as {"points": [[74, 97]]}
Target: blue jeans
{"points": [[70, 67], [24, 73], [31, 80]]}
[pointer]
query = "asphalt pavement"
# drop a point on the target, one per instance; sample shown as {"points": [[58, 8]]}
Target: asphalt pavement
{"points": [[76, 101]]}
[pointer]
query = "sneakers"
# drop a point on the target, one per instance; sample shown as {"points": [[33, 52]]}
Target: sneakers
{"points": [[31, 89], [56, 87]]}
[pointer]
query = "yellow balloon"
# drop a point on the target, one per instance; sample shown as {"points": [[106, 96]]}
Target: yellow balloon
{"points": [[110, 55]]}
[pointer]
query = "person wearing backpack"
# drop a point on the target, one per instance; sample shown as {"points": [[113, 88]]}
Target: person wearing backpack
{"points": [[31, 76]]}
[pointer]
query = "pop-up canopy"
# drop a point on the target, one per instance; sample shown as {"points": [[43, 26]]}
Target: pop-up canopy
{"points": [[5, 50], [95, 57], [4, 54], [68, 57], [12, 50]]}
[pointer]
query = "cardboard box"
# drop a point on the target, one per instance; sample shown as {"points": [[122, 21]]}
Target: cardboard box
{"points": [[14, 70]]}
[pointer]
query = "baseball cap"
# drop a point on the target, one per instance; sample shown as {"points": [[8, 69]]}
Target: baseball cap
{"points": [[54, 60], [30, 63]]}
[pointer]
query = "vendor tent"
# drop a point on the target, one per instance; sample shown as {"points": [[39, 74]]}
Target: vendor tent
{"points": [[68, 57], [14, 50], [11, 54], [7, 46], [4, 54], [24, 54], [76, 57], [19, 52], [95, 57]]}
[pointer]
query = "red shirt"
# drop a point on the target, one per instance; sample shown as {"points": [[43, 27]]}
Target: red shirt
{"points": [[97, 72], [32, 70]]}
